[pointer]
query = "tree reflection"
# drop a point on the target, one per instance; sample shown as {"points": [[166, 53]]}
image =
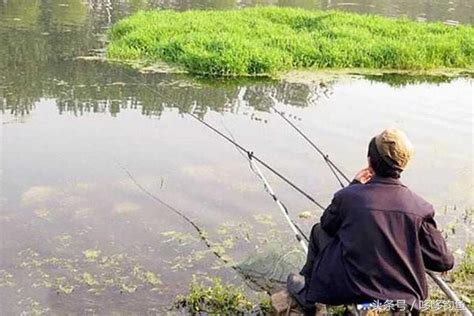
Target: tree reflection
{"points": [[68, 12], [40, 39], [84, 86], [20, 14]]}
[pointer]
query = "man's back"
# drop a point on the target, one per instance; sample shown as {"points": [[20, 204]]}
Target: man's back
{"points": [[384, 238]]}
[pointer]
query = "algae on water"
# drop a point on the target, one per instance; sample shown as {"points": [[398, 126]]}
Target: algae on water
{"points": [[270, 40]]}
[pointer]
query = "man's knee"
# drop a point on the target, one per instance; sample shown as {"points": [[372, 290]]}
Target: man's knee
{"points": [[319, 237]]}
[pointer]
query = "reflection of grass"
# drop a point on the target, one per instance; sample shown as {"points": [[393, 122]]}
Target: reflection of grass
{"points": [[269, 40]]}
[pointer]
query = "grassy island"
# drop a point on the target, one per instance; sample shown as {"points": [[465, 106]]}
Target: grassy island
{"points": [[270, 40]]}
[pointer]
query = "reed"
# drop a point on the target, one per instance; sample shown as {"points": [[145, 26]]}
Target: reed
{"points": [[270, 40]]}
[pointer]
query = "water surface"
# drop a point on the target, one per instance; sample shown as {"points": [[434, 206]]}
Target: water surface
{"points": [[78, 236]]}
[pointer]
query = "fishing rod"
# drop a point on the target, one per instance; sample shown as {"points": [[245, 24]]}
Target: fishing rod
{"points": [[299, 234], [263, 163], [334, 169], [228, 139], [436, 278]]}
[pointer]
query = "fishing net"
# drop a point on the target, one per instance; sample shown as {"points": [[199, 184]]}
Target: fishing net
{"points": [[267, 268]]}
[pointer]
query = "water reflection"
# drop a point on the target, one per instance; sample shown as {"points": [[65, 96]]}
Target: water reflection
{"points": [[86, 86], [39, 41]]}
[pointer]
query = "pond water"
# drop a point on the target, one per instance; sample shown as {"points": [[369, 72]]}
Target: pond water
{"points": [[79, 236]]}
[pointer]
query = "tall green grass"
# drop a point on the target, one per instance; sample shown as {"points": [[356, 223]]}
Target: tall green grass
{"points": [[267, 40]]}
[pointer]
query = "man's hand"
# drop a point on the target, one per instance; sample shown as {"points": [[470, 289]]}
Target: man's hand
{"points": [[364, 175]]}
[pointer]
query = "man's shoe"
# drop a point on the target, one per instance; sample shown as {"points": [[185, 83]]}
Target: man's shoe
{"points": [[295, 283], [296, 287]]}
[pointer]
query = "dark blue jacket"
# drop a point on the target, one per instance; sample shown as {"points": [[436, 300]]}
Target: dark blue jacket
{"points": [[385, 236]]}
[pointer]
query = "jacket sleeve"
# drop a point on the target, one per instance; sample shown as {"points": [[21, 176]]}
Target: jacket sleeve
{"points": [[436, 255], [332, 217]]}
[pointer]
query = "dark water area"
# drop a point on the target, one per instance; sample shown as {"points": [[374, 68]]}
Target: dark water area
{"points": [[78, 236]]}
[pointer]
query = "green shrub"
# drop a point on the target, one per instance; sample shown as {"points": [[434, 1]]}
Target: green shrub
{"points": [[465, 270], [267, 40], [219, 299]]}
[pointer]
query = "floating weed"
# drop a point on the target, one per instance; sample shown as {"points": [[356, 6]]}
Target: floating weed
{"points": [[198, 255], [127, 286], [92, 272], [63, 240], [32, 307], [146, 276], [239, 230], [223, 230], [91, 254], [305, 215], [184, 262], [88, 279], [152, 278], [264, 219], [42, 212], [63, 286], [126, 208], [6, 279], [180, 237], [37, 194], [268, 40], [228, 243]]}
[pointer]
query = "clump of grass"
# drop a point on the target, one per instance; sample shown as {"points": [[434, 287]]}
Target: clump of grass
{"points": [[268, 40], [220, 299], [461, 279], [465, 270]]}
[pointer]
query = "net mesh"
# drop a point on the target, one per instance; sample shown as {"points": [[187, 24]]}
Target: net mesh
{"points": [[268, 268]]}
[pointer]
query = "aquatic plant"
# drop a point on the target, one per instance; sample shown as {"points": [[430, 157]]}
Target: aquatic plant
{"points": [[465, 270], [220, 299], [268, 40], [461, 279]]}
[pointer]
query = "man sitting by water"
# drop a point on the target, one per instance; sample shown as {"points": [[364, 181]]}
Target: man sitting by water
{"points": [[375, 240]]}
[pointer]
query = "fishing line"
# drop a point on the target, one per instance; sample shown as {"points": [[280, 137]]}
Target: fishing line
{"points": [[202, 234]]}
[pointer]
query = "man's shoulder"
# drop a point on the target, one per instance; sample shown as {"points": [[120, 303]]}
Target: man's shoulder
{"points": [[420, 204], [354, 188], [411, 201]]}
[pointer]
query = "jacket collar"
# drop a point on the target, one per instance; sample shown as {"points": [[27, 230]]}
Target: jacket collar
{"points": [[386, 180]]}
